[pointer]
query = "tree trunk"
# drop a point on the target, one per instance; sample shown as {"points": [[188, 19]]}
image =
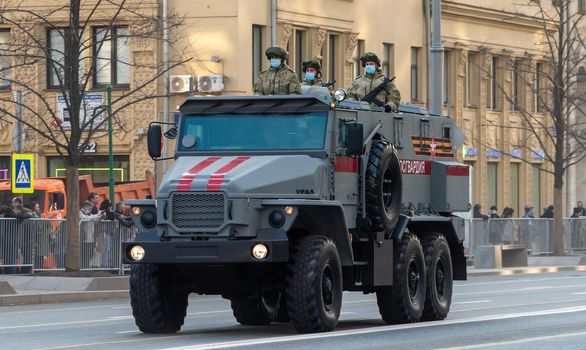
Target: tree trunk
{"points": [[558, 222], [72, 254]]}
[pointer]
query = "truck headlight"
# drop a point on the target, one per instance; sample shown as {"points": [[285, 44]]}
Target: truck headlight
{"points": [[260, 251], [276, 218], [340, 95], [136, 253], [148, 218]]}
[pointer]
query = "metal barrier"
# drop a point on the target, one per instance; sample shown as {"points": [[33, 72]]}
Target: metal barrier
{"points": [[40, 244]]}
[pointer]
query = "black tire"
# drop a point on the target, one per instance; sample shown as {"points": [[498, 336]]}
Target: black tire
{"points": [[384, 186], [258, 310], [404, 301], [438, 264], [314, 285], [159, 304]]}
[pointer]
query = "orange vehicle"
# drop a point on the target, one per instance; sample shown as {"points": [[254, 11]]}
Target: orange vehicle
{"points": [[52, 198]]}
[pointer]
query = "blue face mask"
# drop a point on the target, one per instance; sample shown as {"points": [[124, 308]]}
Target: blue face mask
{"points": [[275, 62], [309, 76], [369, 69]]}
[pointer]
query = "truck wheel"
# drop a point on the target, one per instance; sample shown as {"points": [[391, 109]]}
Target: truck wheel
{"points": [[314, 285], [158, 303], [384, 186], [258, 310], [438, 264], [404, 301]]}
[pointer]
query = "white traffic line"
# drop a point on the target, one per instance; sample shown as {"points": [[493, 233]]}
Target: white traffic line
{"points": [[508, 306], [515, 281], [521, 290], [472, 302], [125, 332], [305, 337], [515, 342], [579, 293]]}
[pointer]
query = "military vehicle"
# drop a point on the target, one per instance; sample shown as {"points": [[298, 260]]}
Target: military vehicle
{"points": [[281, 203]]}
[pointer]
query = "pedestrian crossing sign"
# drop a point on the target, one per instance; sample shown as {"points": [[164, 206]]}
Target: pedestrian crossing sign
{"points": [[22, 177]]}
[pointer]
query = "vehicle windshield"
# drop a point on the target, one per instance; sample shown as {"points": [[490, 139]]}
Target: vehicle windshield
{"points": [[253, 132]]}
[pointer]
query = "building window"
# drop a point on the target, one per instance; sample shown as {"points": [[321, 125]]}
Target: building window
{"points": [[446, 78], [358, 52], [257, 54], [5, 59], [96, 166], [111, 56], [389, 59], [518, 96], [472, 80], [492, 181], [5, 163], [299, 52], [496, 80], [415, 95], [539, 88], [514, 187], [537, 185], [332, 66], [56, 59]]}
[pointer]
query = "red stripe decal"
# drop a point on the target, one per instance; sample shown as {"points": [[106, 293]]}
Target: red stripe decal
{"points": [[216, 179], [345, 164], [187, 178], [457, 170]]}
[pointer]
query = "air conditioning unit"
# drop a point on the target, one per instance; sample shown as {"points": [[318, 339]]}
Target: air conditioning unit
{"points": [[210, 83], [180, 83]]}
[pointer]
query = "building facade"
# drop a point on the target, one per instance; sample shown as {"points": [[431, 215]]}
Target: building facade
{"points": [[482, 90]]}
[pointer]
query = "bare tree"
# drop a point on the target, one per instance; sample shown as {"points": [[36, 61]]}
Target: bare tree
{"points": [[550, 121], [75, 43]]}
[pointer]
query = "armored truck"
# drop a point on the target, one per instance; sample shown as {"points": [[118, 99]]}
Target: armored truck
{"points": [[281, 203]]}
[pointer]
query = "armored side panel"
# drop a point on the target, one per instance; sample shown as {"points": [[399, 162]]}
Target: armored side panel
{"points": [[449, 191]]}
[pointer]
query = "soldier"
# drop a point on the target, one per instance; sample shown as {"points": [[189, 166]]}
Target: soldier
{"points": [[372, 78], [279, 79], [312, 73]]}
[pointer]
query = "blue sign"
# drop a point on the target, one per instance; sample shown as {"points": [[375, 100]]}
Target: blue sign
{"points": [[471, 152], [538, 154], [492, 153], [176, 116], [516, 153], [22, 179]]}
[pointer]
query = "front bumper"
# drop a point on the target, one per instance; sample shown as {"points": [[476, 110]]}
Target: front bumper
{"points": [[211, 251]]}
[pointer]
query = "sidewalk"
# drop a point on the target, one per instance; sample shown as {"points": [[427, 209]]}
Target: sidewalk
{"points": [[27, 289]]}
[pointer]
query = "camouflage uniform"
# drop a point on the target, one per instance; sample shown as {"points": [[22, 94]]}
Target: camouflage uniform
{"points": [[277, 81], [365, 83], [313, 63]]}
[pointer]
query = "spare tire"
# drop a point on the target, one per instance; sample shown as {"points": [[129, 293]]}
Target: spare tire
{"points": [[384, 186]]}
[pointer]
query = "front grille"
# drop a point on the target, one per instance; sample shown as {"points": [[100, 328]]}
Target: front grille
{"points": [[198, 211]]}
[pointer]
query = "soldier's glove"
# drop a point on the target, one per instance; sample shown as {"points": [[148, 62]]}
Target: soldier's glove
{"points": [[388, 108]]}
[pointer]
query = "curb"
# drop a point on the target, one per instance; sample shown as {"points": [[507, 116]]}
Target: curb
{"points": [[525, 270], [30, 299]]}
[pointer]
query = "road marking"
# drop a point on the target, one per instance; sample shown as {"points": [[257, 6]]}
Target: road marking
{"points": [[305, 337], [359, 301], [472, 302], [514, 342], [522, 289], [503, 306], [124, 332], [579, 293]]}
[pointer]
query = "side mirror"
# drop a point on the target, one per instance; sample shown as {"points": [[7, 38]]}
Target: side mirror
{"points": [[354, 139], [154, 140]]}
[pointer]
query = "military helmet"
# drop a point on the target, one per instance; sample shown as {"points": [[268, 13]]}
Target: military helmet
{"points": [[277, 51], [311, 63], [369, 56]]}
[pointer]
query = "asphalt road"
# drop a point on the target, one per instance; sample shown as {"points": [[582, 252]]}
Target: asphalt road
{"points": [[542, 311]]}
